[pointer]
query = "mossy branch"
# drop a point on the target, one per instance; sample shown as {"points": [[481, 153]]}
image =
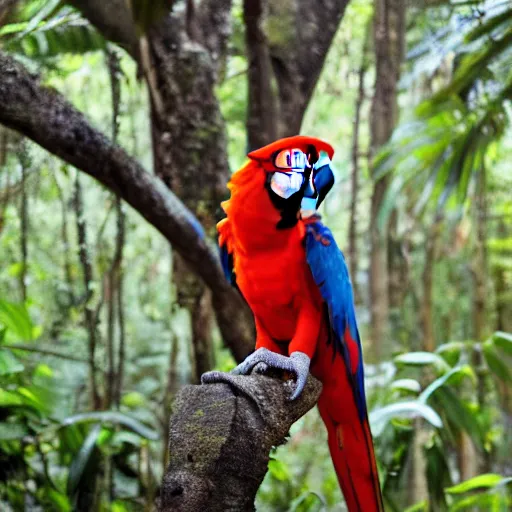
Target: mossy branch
{"points": [[220, 440]]}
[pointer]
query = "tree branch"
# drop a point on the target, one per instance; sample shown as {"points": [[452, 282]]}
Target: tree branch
{"points": [[114, 21], [220, 438], [48, 119], [319, 22]]}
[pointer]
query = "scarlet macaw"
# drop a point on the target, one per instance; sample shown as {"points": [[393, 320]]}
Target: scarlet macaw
{"points": [[292, 274]]}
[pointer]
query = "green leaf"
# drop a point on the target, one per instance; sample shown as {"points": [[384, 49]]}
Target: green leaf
{"points": [[495, 363], [380, 417], [113, 417], [451, 351], [478, 482], [422, 506], [489, 25], [279, 470], [48, 10], [60, 502], [17, 320], [81, 460], [421, 359], [461, 371], [481, 502], [67, 34], [410, 385], [133, 400], [9, 364], [10, 398], [447, 402], [503, 340]]}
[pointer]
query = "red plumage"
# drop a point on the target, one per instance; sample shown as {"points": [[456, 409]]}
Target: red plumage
{"points": [[273, 275]]}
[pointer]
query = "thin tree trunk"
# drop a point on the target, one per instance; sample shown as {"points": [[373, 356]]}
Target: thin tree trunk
{"points": [[480, 276], [426, 307], [121, 234], [68, 275], [113, 274], [24, 221], [90, 317], [503, 306], [354, 182], [479, 264], [195, 298], [388, 30], [418, 485]]}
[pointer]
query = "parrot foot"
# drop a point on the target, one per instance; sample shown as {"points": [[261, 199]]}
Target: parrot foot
{"points": [[263, 360]]}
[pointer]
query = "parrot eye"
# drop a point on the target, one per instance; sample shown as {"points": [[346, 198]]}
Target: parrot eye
{"points": [[291, 159]]}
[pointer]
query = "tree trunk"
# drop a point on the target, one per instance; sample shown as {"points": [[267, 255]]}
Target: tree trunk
{"points": [[287, 43], [89, 316], [48, 119], [388, 30], [503, 304], [418, 484], [192, 45], [24, 221], [479, 263], [354, 181], [220, 439], [426, 307]]}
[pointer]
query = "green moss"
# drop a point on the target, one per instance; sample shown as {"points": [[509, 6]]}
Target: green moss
{"points": [[280, 25]]}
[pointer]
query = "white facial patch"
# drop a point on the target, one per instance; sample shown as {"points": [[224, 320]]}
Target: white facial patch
{"points": [[285, 184]]}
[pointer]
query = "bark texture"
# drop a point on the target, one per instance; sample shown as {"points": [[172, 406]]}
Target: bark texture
{"points": [[287, 43], [184, 52], [427, 306], [47, 118], [388, 31], [354, 179], [220, 438]]}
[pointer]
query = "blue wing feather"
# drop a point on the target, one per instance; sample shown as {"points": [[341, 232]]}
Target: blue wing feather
{"points": [[330, 273], [226, 260]]}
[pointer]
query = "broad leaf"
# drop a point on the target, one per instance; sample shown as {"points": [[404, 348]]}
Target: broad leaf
{"points": [[481, 481], [422, 359], [82, 459], [17, 320], [380, 417], [410, 385], [495, 363], [452, 375], [503, 340]]}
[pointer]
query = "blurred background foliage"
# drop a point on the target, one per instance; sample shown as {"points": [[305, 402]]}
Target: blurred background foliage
{"points": [[439, 392]]}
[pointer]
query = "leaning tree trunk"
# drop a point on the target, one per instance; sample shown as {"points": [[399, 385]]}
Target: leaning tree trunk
{"points": [[220, 439], [388, 29]]}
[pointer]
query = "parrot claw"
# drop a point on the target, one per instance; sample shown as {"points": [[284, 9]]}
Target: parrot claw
{"points": [[211, 377], [263, 359], [261, 368]]}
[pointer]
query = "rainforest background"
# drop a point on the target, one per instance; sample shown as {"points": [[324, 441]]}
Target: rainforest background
{"points": [[114, 115]]}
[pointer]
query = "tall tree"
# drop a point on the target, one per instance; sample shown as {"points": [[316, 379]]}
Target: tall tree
{"points": [[180, 71], [388, 35]]}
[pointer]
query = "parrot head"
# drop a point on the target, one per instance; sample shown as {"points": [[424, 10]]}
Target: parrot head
{"points": [[298, 174]]}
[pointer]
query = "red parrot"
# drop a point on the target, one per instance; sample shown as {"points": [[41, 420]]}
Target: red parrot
{"points": [[295, 280]]}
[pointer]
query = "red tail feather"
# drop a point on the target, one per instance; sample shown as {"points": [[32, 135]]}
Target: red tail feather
{"points": [[350, 440]]}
